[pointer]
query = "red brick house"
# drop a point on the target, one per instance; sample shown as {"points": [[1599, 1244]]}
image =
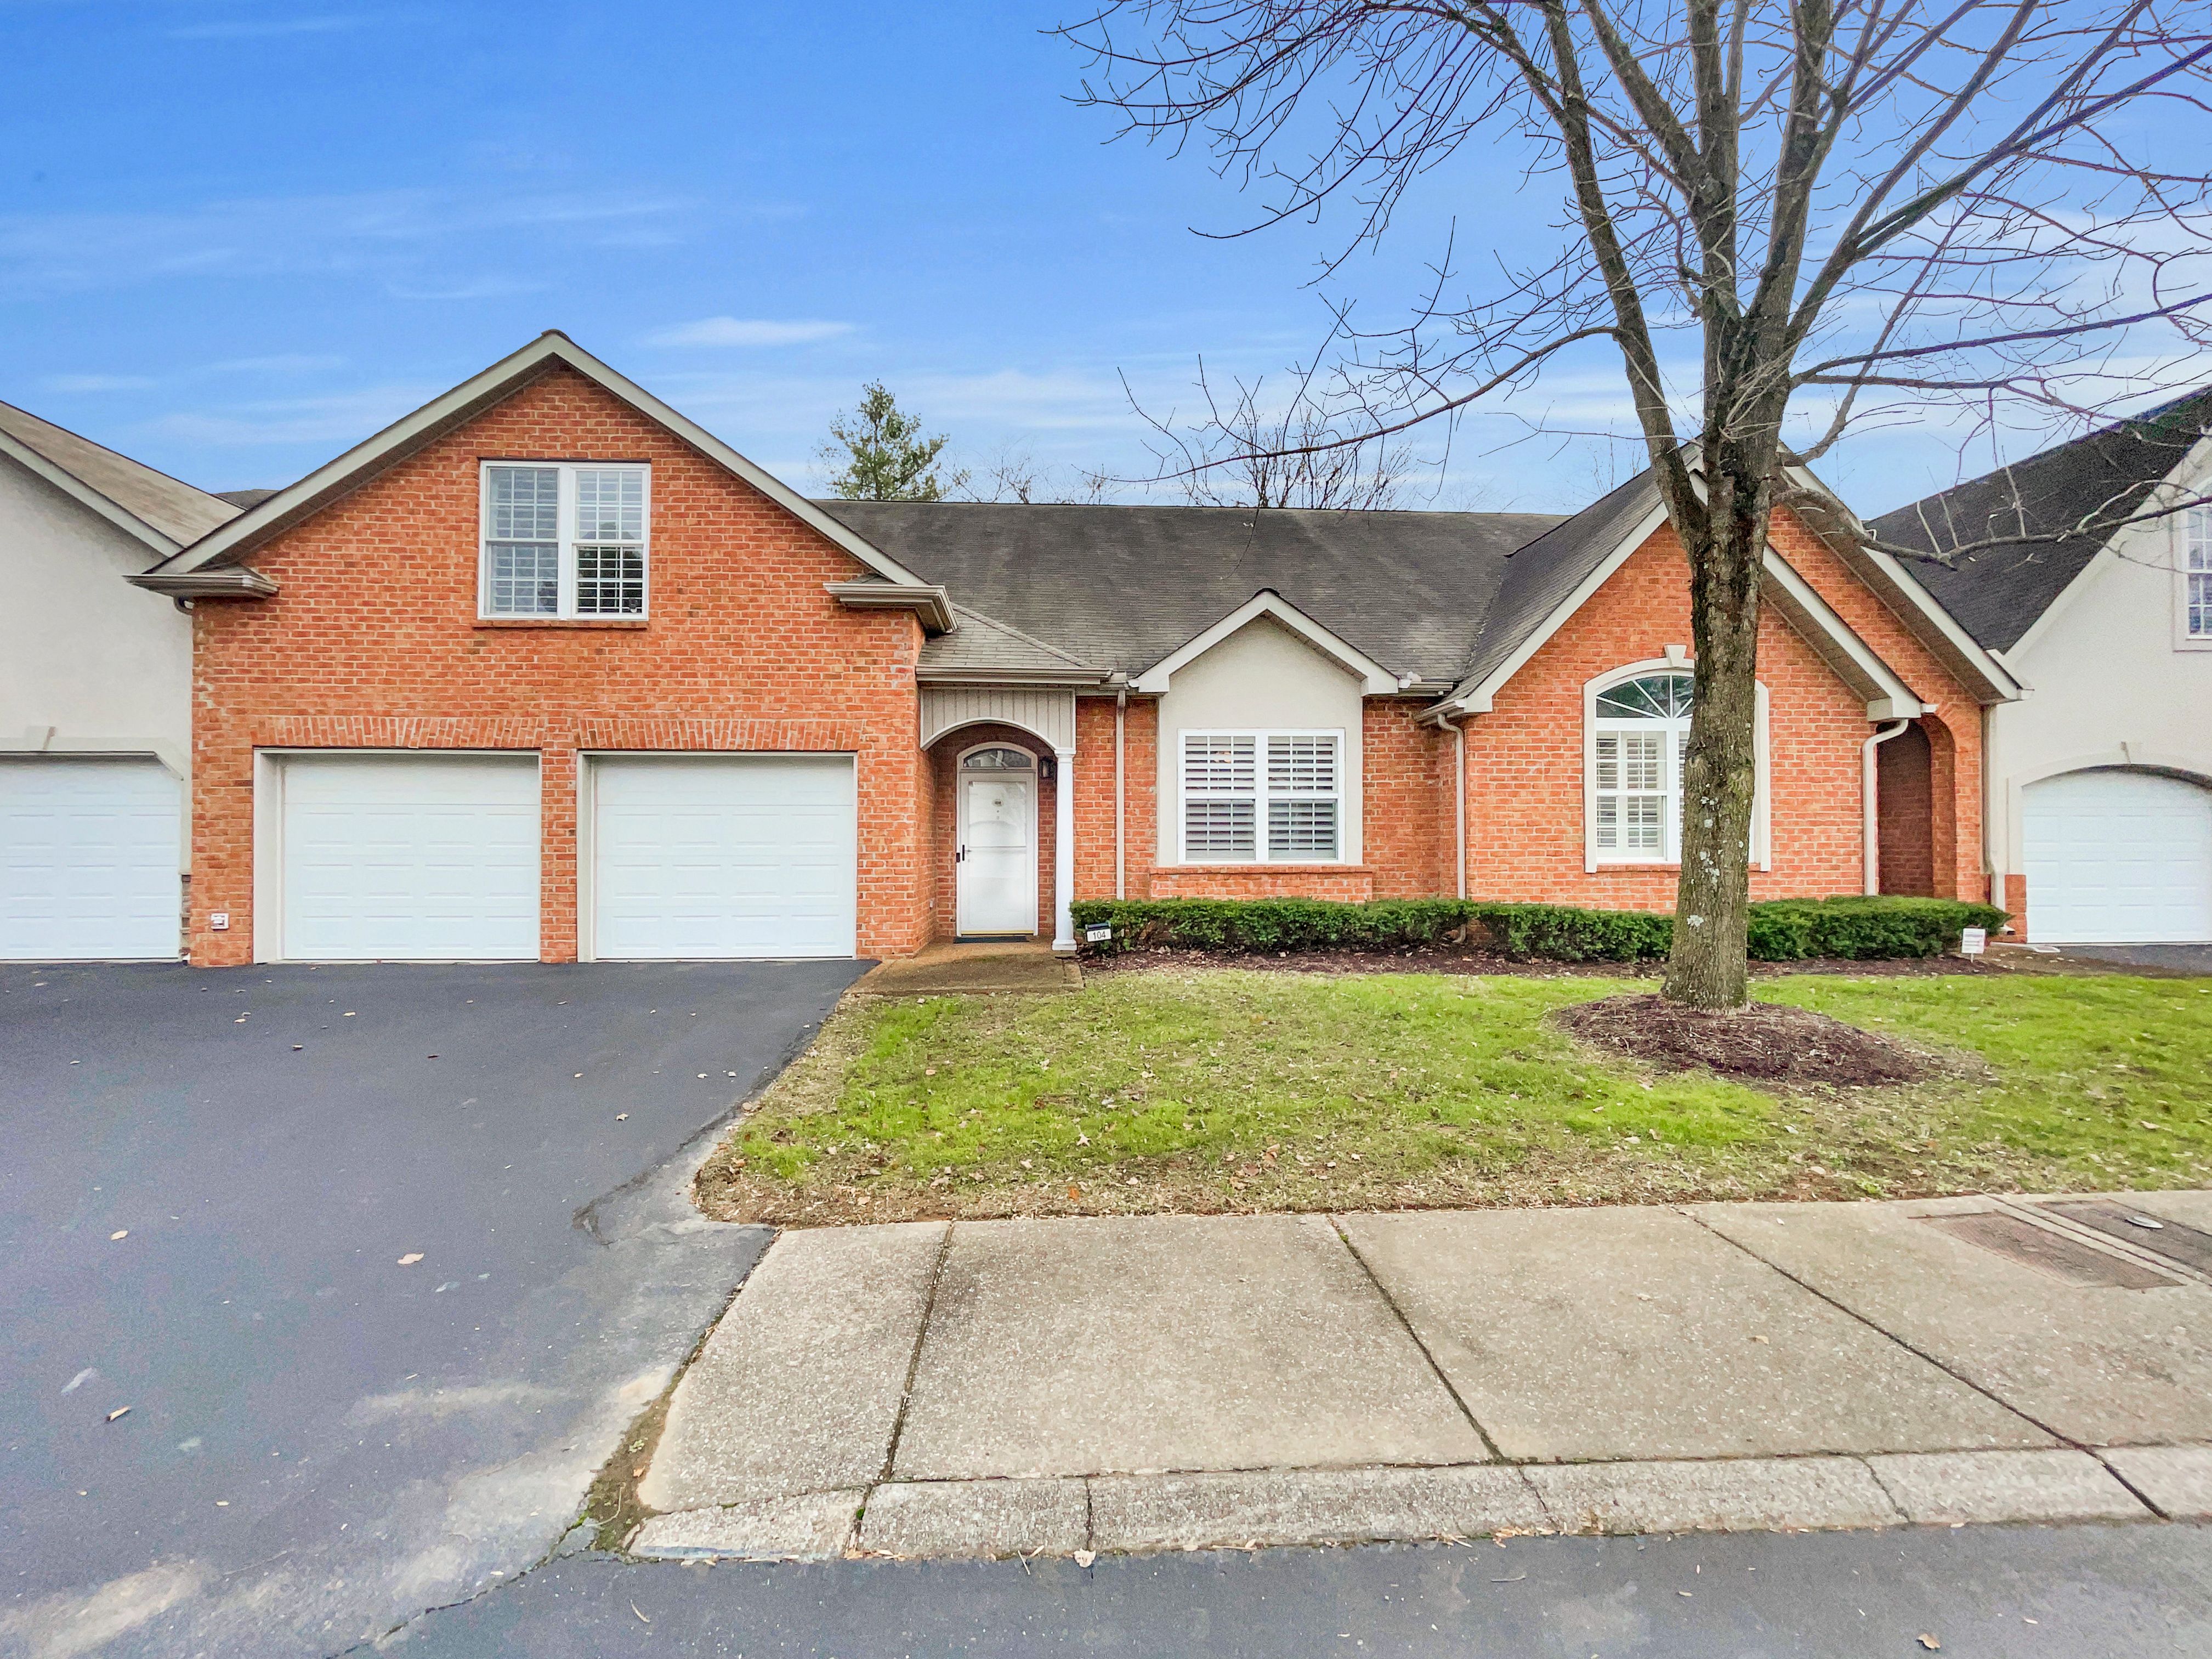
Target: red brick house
{"points": [[546, 671]]}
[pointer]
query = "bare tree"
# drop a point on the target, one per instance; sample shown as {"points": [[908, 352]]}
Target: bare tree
{"points": [[1242, 454], [1844, 209]]}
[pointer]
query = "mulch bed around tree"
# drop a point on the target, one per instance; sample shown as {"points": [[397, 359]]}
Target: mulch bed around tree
{"points": [[1766, 1043]]}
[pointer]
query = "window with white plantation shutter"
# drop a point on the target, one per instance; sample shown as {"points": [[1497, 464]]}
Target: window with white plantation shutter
{"points": [[1302, 796], [1641, 733], [564, 541], [1255, 797]]}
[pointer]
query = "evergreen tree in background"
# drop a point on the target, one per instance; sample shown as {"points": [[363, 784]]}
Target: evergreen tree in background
{"points": [[879, 454]]}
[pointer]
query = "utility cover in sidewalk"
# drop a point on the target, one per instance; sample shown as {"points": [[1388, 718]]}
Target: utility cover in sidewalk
{"points": [[2048, 1252], [2173, 1240]]}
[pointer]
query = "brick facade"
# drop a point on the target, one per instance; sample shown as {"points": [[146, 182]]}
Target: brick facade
{"points": [[373, 642]]}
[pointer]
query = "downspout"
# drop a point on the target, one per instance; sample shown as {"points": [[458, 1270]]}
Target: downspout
{"points": [[1870, 798], [1121, 729], [1459, 796]]}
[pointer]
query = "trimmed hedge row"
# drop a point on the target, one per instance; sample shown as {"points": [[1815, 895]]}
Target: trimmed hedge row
{"points": [[1781, 929]]}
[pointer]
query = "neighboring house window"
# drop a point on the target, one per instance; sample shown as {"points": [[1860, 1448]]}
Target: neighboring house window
{"points": [[2196, 564], [1261, 797], [1641, 732], [564, 540]]}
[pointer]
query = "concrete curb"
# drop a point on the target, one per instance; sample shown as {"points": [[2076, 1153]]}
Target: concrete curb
{"points": [[1130, 1514]]}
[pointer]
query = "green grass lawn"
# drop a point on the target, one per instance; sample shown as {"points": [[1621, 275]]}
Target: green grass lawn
{"points": [[1229, 1090]]}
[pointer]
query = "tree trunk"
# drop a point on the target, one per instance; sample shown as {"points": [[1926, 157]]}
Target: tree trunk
{"points": [[1706, 966]]}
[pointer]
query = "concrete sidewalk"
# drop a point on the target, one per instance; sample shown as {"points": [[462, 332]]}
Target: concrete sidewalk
{"points": [[1182, 1382]]}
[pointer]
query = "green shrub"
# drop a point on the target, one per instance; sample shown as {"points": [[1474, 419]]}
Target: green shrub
{"points": [[1566, 932], [1780, 930], [1862, 929], [1286, 924]]}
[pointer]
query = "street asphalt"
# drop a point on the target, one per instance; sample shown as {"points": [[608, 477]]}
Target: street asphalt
{"points": [[2082, 1592], [329, 1289]]}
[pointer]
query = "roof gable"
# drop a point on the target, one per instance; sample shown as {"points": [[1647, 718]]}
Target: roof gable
{"points": [[1122, 586], [1375, 680], [1998, 592], [164, 512], [236, 541]]}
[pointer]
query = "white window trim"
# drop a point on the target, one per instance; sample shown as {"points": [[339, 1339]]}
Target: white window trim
{"points": [[1762, 827], [2182, 639], [565, 543], [1259, 734]]}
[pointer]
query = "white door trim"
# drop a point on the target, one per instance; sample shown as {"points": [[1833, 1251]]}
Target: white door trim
{"points": [[269, 826], [960, 780]]}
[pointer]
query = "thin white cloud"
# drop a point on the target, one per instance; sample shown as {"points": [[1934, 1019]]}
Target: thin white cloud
{"points": [[332, 421], [96, 382], [265, 28], [409, 236], [747, 332]]}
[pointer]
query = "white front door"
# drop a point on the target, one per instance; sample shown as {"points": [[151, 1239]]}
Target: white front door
{"points": [[88, 860], [410, 857], [715, 856], [998, 863], [2116, 857]]}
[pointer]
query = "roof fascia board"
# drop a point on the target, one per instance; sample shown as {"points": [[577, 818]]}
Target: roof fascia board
{"points": [[286, 506], [1375, 681], [85, 496], [927, 600], [1475, 696], [222, 581], [1887, 697], [1010, 677], [1901, 584]]}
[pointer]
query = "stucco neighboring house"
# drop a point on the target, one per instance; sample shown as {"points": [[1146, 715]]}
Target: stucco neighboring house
{"points": [[547, 671], [95, 698], [2100, 808]]}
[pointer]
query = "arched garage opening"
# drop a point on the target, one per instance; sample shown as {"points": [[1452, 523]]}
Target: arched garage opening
{"points": [[2118, 855]]}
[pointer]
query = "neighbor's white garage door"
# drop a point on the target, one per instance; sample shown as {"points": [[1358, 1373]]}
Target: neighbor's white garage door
{"points": [[725, 856], [2118, 857], [88, 859], [410, 858]]}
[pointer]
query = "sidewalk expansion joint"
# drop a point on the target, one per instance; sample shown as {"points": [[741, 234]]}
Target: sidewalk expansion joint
{"points": [[1414, 1337], [914, 1360], [1845, 1308]]}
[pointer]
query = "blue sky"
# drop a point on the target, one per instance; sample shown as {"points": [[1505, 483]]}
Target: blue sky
{"points": [[238, 237]]}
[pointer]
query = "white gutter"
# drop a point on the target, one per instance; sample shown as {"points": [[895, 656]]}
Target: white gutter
{"points": [[1443, 717], [1871, 800]]}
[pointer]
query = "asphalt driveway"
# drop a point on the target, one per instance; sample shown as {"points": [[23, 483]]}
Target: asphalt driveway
{"points": [[376, 1263]]}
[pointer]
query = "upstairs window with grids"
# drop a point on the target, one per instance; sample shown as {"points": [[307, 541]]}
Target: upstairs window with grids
{"points": [[1261, 797], [1641, 732], [564, 541], [2196, 570]]}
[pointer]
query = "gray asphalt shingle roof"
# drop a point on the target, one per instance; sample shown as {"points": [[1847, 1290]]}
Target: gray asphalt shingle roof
{"points": [[1997, 593], [1121, 587], [175, 508]]}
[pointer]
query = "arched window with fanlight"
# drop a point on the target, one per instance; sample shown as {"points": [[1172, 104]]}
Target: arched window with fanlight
{"points": [[1638, 721]]}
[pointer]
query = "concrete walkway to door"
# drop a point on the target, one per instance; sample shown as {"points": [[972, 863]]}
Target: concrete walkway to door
{"points": [[977, 966], [1084, 1385]]}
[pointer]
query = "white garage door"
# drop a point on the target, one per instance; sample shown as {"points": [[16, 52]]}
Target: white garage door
{"points": [[723, 855], [88, 860], [410, 858], [2117, 858]]}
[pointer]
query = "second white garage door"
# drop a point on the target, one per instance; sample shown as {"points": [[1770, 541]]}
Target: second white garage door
{"points": [[410, 858], [723, 856], [2117, 858]]}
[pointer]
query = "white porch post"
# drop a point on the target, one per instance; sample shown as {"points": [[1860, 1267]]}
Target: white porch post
{"points": [[1063, 851]]}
